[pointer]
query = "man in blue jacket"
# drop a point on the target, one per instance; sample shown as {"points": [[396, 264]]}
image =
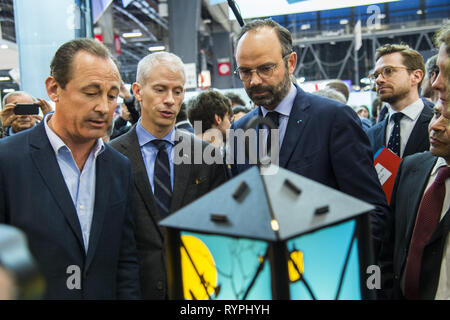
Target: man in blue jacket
{"points": [[66, 190], [319, 138]]}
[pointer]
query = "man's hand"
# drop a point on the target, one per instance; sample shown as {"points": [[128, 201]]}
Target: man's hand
{"points": [[7, 114], [45, 106], [124, 93]]}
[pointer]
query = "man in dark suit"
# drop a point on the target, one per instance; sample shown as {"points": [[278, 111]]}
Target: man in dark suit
{"points": [[416, 260], [399, 70], [166, 177], [320, 139], [66, 190]]}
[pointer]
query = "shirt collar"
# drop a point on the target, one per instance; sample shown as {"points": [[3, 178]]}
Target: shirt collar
{"points": [[285, 105], [57, 144], [439, 163], [412, 111], [145, 137]]}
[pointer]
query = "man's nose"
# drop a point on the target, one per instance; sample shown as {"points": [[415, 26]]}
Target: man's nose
{"points": [[255, 79]]}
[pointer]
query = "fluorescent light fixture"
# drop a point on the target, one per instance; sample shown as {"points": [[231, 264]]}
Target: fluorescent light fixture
{"points": [[343, 21], [4, 46], [136, 34], [305, 26], [8, 90], [5, 78], [419, 12], [157, 48], [264, 8]]}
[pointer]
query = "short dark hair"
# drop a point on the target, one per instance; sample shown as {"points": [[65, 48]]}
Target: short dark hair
{"points": [[430, 66], [207, 104], [283, 34], [411, 58], [61, 65], [235, 98], [182, 116], [238, 109]]}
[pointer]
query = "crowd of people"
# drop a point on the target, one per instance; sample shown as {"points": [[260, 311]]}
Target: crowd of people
{"points": [[97, 187]]}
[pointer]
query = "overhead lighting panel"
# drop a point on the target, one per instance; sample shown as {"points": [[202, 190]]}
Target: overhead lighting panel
{"points": [[157, 48]]}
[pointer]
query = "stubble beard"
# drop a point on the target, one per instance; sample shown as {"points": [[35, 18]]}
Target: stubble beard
{"points": [[275, 93]]}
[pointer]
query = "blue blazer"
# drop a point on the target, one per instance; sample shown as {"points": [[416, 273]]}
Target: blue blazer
{"points": [[35, 199], [324, 142], [418, 140]]}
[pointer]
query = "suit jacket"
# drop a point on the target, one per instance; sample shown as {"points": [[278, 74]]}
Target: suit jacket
{"points": [[190, 182], [411, 181], [34, 198], [324, 142], [418, 140]]}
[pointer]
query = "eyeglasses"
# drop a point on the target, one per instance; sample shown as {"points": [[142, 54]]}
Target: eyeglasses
{"points": [[386, 72], [264, 71]]}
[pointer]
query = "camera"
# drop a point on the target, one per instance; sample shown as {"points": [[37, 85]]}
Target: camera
{"points": [[26, 109]]}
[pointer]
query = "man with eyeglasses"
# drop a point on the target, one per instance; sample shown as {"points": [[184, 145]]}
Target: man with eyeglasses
{"points": [[397, 75], [319, 138], [415, 262]]}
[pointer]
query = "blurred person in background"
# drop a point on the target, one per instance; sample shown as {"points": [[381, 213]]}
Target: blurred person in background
{"points": [[431, 73], [13, 123]]}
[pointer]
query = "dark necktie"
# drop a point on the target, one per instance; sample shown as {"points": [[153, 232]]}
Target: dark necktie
{"points": [[161, 179], [427, 220], [275, 118], [394, 139]]}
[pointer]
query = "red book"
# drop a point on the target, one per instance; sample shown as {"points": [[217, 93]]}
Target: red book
{"points": [[386, 164]]}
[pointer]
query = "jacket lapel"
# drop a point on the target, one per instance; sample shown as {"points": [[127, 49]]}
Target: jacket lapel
{"points": [[101, 204], [182, 172], [297, 122], [419, 175], [44, 159], [419, 141], [380, 136]]}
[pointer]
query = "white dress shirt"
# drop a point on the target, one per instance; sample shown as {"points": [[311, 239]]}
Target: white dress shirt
{"points": [[410, 115]]}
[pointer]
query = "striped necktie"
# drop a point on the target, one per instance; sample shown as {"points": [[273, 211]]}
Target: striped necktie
{"points": [[161, 179]]}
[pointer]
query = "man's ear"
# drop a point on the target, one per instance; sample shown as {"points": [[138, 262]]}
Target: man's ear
{"points": [[52, 89], [217, 119], [417, 76], [292, 62], [136, 87]]}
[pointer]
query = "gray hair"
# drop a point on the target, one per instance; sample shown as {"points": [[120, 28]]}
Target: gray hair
{"points": [[15, 93], [332, 94], [147, 63]]}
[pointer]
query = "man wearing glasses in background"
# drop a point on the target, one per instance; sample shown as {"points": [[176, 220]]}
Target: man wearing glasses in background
{"points": [[399, 71], [319, 138]]}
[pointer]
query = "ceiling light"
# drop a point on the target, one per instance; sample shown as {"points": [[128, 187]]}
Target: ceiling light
{"points": [[136, 34], [5, 78], [8, 90], [157, 48], [419, 12], [4, 46], [305, 26], [343, 21]]}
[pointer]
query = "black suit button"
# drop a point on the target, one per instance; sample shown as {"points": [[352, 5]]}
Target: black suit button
{"points": [[396, 277], [159, 285]]}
